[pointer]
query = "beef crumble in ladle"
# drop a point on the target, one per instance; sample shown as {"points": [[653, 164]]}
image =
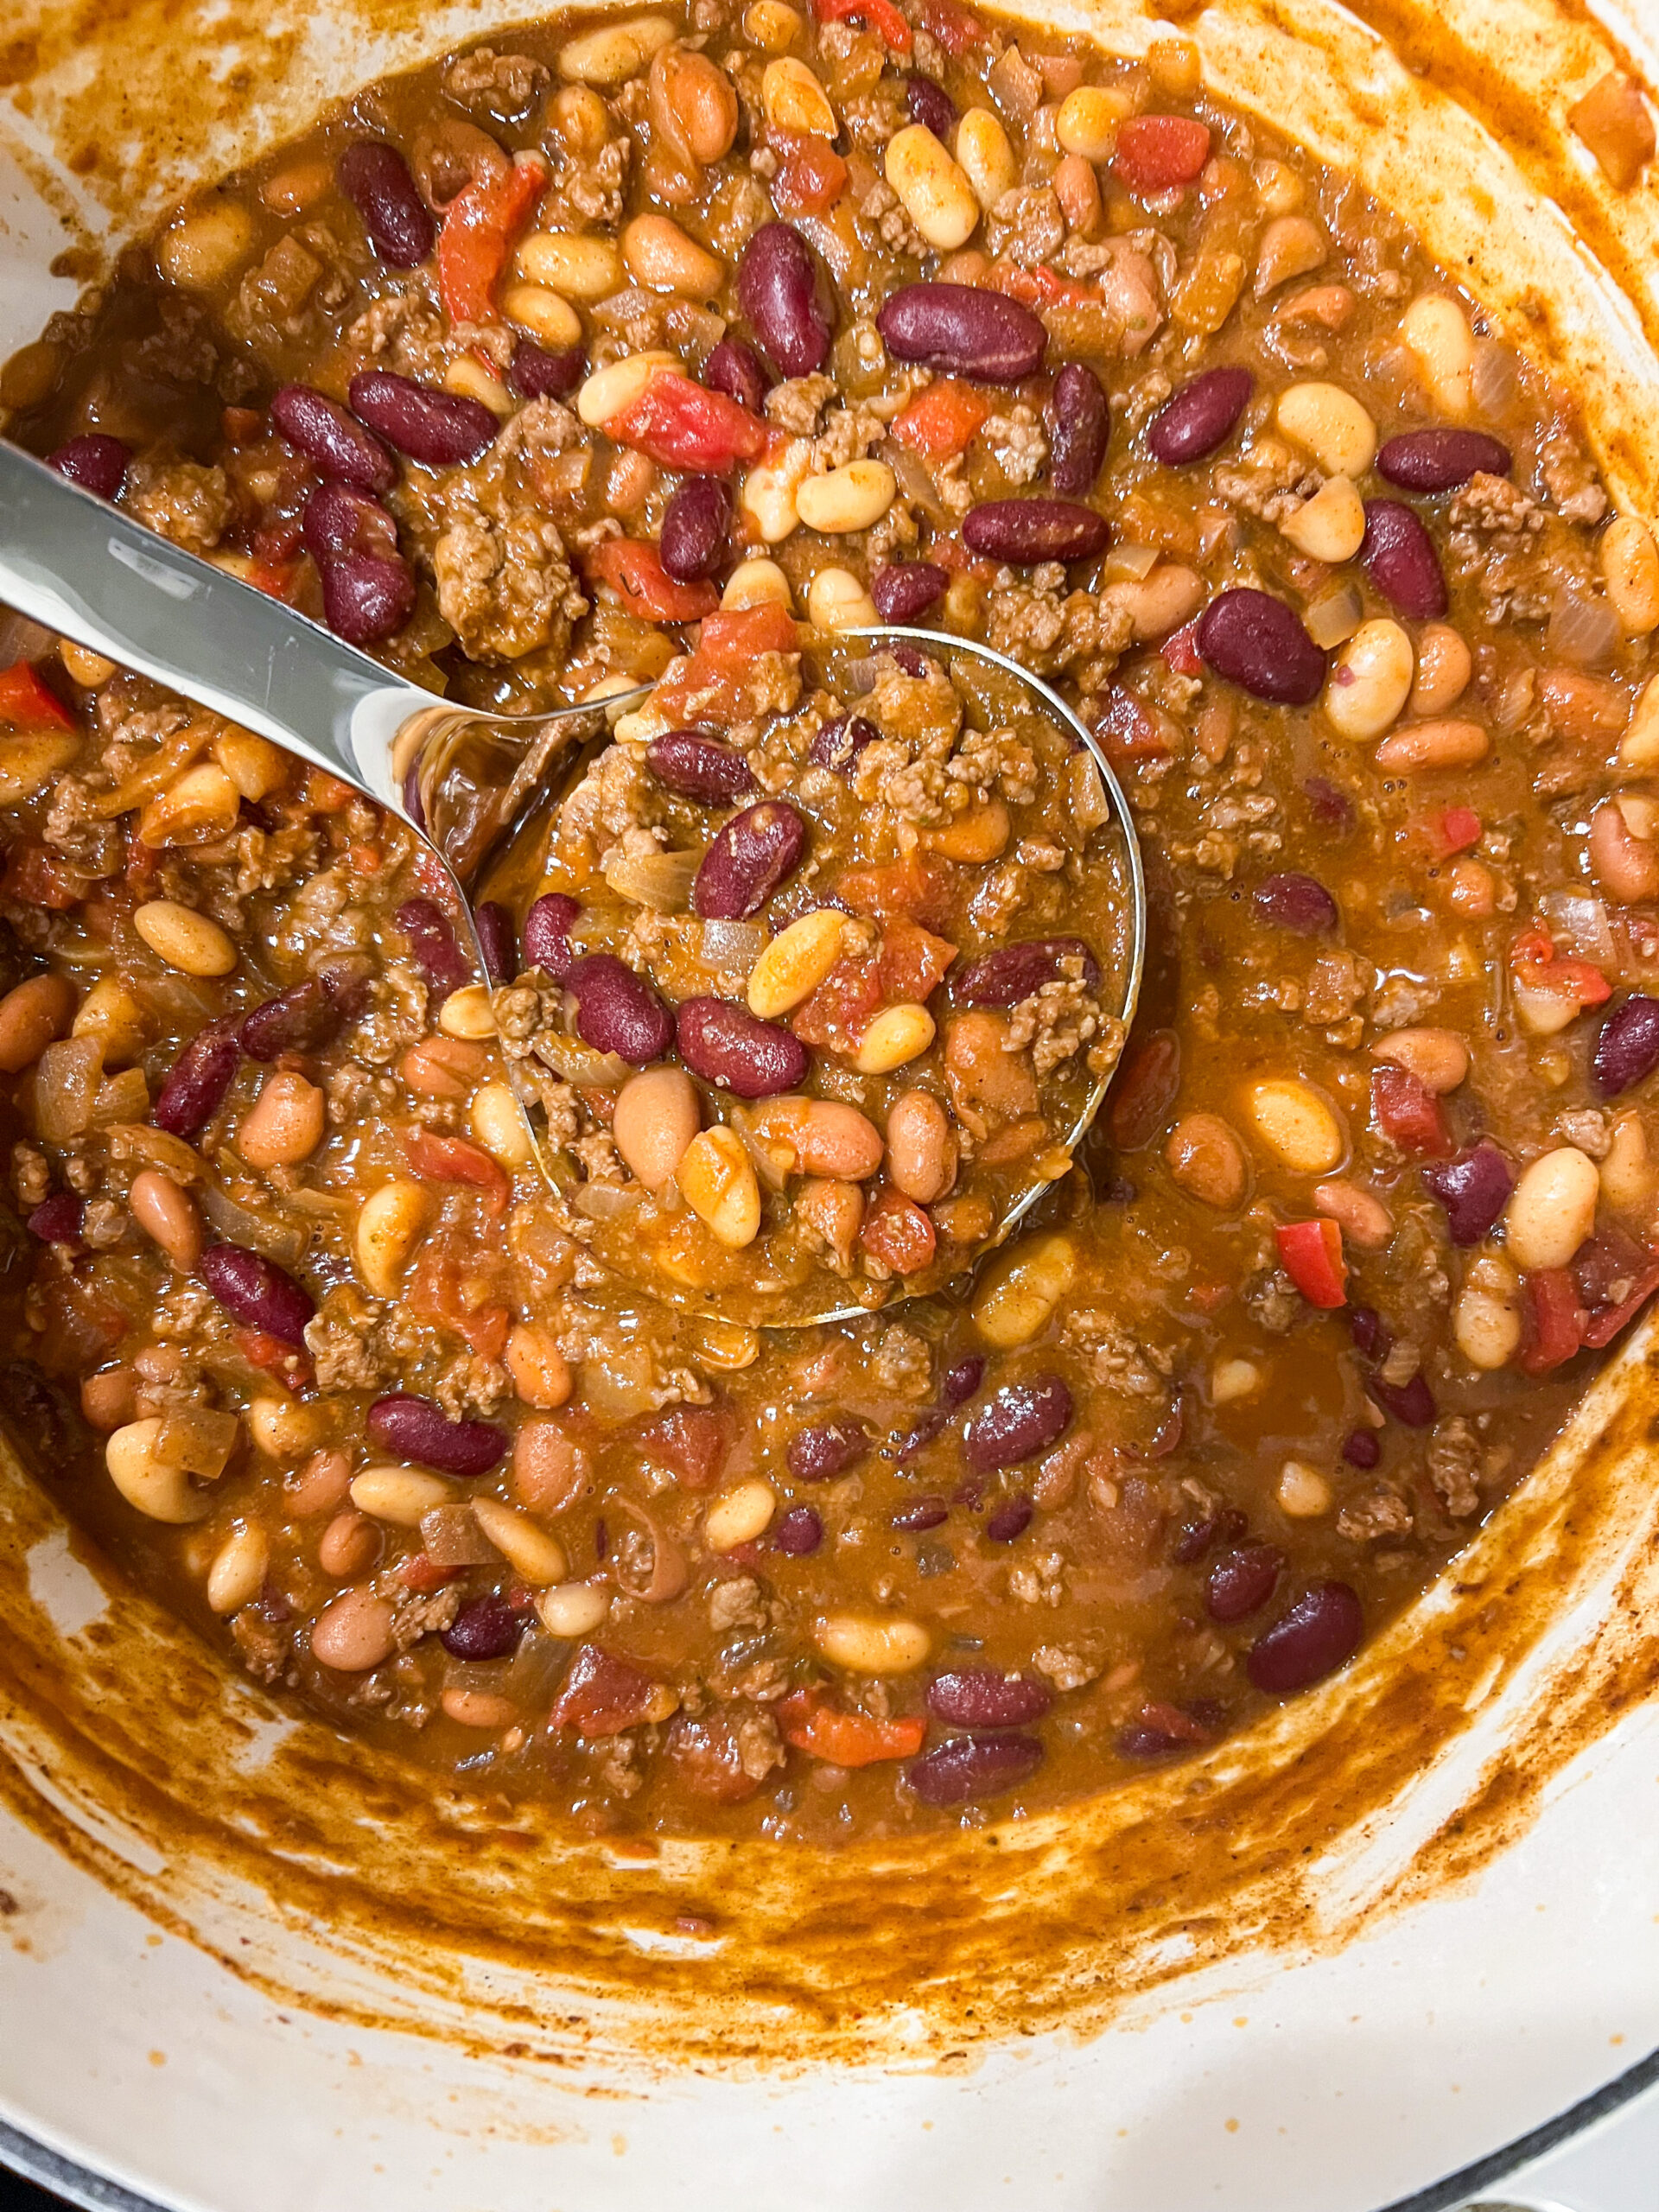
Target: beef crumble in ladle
{"points": [[468, 782]]}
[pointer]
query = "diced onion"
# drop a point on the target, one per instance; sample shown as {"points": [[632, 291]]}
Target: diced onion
{"points": [[281, 1241], [659, 880], [1583, 631]]}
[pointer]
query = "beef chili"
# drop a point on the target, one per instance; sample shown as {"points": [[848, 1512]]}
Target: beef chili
{"points": [[615, 353]]}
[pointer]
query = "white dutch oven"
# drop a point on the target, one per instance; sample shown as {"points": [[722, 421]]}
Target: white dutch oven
{"points": [[1403, 1927]]}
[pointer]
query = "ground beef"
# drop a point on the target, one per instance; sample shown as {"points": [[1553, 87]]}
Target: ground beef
{"points": [[1270, 483], [184, 501], [1017, 443], [504, 581], [74, 828], [1453, 1460], [1056, 1021], [797, 405], [416, 1614], [502, 84], [1055, 634], [1494, 507], [619, 793], [593, 192], [901, 1362], [1026, 226], [1380, 1512], [1337, 984], [1116, 1360], [341, 1342], [405, 332], [1274, 1302]]}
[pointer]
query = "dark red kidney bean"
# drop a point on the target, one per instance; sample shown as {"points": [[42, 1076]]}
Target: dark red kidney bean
{"points": [[963, 331], [1258, 643], [375, 178], [366, 600], [347, 977], [961, 1379], [96, 463], [929, 103], [799, 1532], [546, 933], [727, 1045], [197, 1083], [1400, 558], [1242, 1581], [1011, 1519], [334, 441], [783, 291], [1320, 1633], [969, 1769], [302, 1018], [1474, 1188], [1026, 531], [1627, 1049], [1013, 972], [485, 1628], [1022, 1420], [838, 744], [1146, 1090], [340, 521], [1371, 1334], [695, 529], [1362, 1448], [56, 1220], [419, 1428], [1079, 421], [432, 946], [255, 1292], [930, 1425], [981, 1697], [905, 590], [1331, 808], [828, 1449], [536, 373], [738, 371], [1199, 1536], [1201, 415], [496, 941], [696, 766], [914, 1520], [1411, 1404], [1604, 1265], [434, 427], [747, 861], [414, 805], [617, 1011], [1298, 903], [1441, 459]]}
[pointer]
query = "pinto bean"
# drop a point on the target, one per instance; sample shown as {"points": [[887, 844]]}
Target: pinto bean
{"points": [[747, 861], [921, 1147], [655, 1119], [438, 429], [727, 1045], [1207, 1158], [963, 331], [1028, 531], [617, 1011], [354, 1633]]}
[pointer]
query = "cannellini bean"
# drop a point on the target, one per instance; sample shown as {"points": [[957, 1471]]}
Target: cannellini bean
{"points": [[467, 1012], [1331, 526], [612, 53], [197, 806], [1437, 331], [254, 765], [201, 248], [30, 762], [757, 583], [937, 195], [530, 1550], [1232, 1380], [1444, 667], [1630, 569], [1423, 746], [152, 1462], [540, 1372], [897, 1035], [768, 493], [578, 115], [168, 1216], [190, 941], [791, 968], [1627, 1168], [1363, 1218], [844, 499], [921, 1147], [399, 1494], [835, 600], [33, 1014], [354, 1633], [657, 1114], [544, 313], [1639, 747], [985, 156], [1438, 1058], [1298, 1126], [1331, 424], [611, 391], [89, 669], [574, 1609], [1552, 1208], [389, 1224], [1291, 246], [284, 1125], [474, 381], [726, 1346], [833, 1211], [1486, 1316], [739, 1515], [795, 100], [288, 1428], [499, 1126], [659, 255], [1302, 1493], [720, 1186], [1088, 119], [1021, 1291], [238, 1573], [582, 267], [980, 834], [872, 1643]]}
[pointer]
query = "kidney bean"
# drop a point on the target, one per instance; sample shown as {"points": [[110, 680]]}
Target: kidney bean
{"points": [[1362, 1448], [1201, 415], [904, 590], [819, 1454], [1627, 1049], [1026, 531], [783, 291], [431, 426], [799, 1532], [1371, 1334], [926, 1513], [346, 977], [546, 933], [961, 1379], [981, 1697], [972, 1768], [1440, 460], [255, 1292], [727, 1045], [1011, 1519], [1013, 972], [738, 371], [929, 102], [96, 463], [419, 1428], [1320, 1633], [1298, 903], [199, 1079], [366, 600], [1242, 1580], [963, 331], [375, 178], [1399, 555], [339, 521], [1199, 1536], [697, 766], [695, 529], [302, 1018], [496, 941], [1474, 1188], [432, 946], [336, 441], [1411, 1404], [1079, 422], [485, 1628], [1022, 1420], [617, 1011], [536, 373], [838, 744], [747, 861], [56, 1220], [1331, 808], [1258, 643], [922, 1434]]}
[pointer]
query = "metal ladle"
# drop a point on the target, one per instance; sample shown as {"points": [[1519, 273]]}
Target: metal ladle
{"points": [[464, 781]]}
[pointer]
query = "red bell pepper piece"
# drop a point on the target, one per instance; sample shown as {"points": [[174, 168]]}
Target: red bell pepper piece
{"points": [[1555, 1319], [452, 1160], [957, 28], [635, 571], [26, 702], [1410, 1114], [1157, 152], [882, 17], [941, 422], [680, 425], [479, 228], [1311, 1253], [815, 1727], [1536, 965]]}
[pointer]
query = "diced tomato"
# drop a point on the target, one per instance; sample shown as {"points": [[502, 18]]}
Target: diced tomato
{"points": [[915, 888], [277, 579], [811, 175], [26, 702], [292, 1367], [478, 230], [241, 426], [454, 1294], [882, 17], [422, 1573], [1180, 651], [732, 641], [603, 1693], [635, 571], [693, 1441], [453, 1159], [1606, 1323], [1459, 828], [1555, 1319], [941, 422], [822, 1732], [843, 1005], [321, 793], [680, 425], [1127, 731], [36, 877], [1410, 1114], [898, 1233], [957, 28], [1311, 1253], [1157, 152], [1539, 967], [913, 962]]}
